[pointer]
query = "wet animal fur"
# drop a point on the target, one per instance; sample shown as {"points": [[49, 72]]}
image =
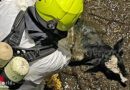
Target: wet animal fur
{"points": [[96, 53]]}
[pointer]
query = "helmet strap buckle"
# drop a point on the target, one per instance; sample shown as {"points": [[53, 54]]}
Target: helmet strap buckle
{"points": [[52, 24]]}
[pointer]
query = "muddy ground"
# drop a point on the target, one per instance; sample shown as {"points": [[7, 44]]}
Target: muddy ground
{"points": [[111, 18]]}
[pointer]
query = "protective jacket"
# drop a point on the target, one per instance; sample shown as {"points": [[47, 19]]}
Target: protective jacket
{"points": [[44, 34]]}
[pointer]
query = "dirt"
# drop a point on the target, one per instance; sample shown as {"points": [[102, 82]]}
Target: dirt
{"points": [[111, 18]]}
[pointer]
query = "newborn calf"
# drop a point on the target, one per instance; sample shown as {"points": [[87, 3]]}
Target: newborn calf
{"points": [[100, 55]]}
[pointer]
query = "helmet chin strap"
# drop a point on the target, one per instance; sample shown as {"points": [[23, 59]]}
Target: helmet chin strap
{"points": [[49, 25], [52, 24]]}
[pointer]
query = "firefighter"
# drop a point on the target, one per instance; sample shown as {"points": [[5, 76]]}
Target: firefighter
{"points": [[34, 35]]}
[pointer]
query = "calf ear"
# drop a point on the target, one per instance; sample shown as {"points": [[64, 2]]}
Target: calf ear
{"points": [[118, 45], [121, 52]]}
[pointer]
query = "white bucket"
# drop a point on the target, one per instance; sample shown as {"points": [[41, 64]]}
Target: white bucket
{"points": [[16, 69]]}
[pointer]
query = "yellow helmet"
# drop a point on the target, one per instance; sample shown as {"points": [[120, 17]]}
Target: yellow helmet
{"points": [[64, 12]]}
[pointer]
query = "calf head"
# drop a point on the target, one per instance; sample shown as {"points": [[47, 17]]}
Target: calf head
{"points": [[108, 60]]}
